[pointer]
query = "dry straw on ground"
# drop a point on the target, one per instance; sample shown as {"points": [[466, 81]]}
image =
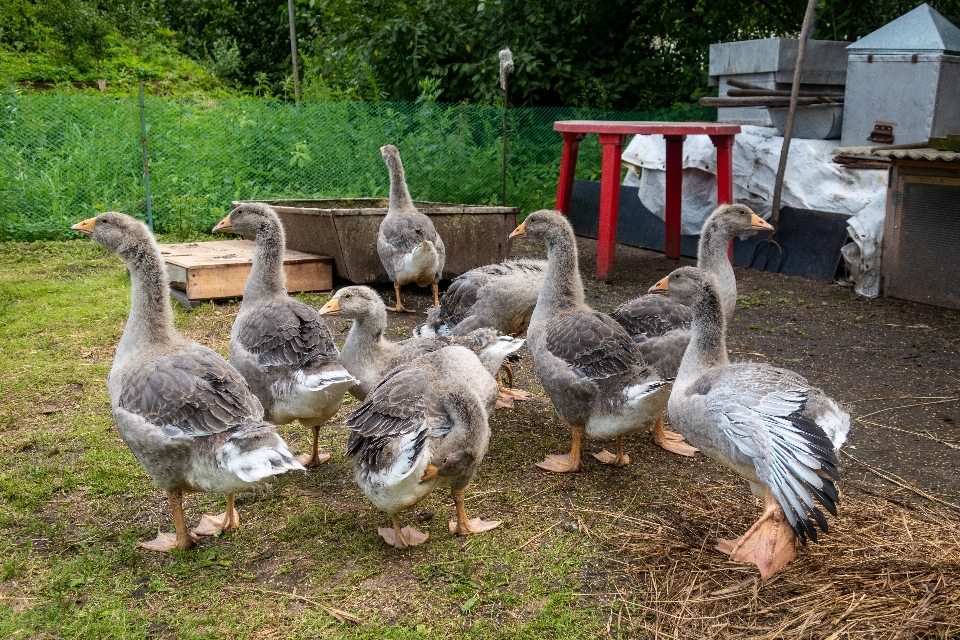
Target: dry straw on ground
{"points": [[886, 569]]}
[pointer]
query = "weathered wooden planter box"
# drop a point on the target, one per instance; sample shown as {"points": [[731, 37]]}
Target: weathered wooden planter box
{"points": [[346, 230], [200, 271]]}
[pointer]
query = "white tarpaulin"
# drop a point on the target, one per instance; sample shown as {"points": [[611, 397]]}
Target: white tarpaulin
{"points": [[811, 181]]}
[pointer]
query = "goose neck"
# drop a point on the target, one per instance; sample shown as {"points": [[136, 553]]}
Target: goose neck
{"points": [[400, 199], [365, 338], [151, 320], [708, 346], [712, 257], [562, 288], [267, 279]]}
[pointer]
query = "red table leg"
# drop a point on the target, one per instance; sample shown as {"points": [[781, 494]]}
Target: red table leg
{"points": [[724, 145], [674, 188], [568, 166], [612, 144]]}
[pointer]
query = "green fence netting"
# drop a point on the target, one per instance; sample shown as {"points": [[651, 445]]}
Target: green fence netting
{"points": [[66, 157]]}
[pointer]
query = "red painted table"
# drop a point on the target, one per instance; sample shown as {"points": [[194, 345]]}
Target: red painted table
{"points": [[613, 135]]}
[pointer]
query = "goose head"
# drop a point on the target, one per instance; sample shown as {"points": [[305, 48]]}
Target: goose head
{"points": [[545, 226], [391, 156], [118, 233], [250, 218], [736, 219], [354, 303], [688, 286]]}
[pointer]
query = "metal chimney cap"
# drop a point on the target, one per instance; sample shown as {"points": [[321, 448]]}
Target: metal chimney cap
{"points": [[922, 30]]}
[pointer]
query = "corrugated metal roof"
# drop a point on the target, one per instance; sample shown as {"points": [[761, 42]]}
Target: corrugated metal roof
{"points": [[919, 154], [922, 30]]}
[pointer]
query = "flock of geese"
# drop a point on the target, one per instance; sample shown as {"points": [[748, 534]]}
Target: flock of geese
{"points": [[198, 423]]}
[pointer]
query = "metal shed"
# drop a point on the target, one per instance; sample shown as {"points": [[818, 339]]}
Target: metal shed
{"points": [[903, 82]]}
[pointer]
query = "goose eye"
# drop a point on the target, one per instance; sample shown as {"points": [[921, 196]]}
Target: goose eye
{"points": [[347, 296]]}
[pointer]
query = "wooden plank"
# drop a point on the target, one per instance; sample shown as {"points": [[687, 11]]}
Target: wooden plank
{"points": [[219, 269]]}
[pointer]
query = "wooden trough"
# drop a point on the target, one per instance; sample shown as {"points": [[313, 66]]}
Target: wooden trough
{"points": [[202, 271], [346, 230]]}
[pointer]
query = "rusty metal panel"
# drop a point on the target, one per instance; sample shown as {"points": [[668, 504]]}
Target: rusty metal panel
{"points": [[920, 258]]}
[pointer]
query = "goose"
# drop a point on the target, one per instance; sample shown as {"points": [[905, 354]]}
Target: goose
{"points": [[408, 244], [765, 423], [587, 363], [496, 296], [184, 412], [368, 355], [661, 326], [280, 345], [425, 426]]}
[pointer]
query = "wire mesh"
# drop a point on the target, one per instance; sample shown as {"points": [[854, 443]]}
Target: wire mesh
{"points": [[65, 157]]}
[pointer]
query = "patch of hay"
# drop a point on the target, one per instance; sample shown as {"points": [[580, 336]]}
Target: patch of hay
{"points": [[884, 570]]}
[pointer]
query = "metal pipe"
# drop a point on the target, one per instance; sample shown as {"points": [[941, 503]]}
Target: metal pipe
{"points": [[146, 162], [293, 54]]}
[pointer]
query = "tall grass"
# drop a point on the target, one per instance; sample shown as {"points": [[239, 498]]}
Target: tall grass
{"points": [[64, 157]]}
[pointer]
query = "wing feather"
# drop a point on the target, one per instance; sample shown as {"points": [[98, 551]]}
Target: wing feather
{"points": [[287, 332], [195, 391], [761, 410]]}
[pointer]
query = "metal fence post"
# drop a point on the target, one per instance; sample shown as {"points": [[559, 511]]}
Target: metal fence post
{"points": [[146, 162]]}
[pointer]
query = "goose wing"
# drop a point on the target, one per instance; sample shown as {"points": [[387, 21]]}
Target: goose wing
{"points": [[287, 332], [191, 392], [397, 409], [649, 316], [761, 409], [593, 345]]}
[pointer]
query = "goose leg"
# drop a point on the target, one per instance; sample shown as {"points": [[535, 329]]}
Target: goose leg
{"points": [[506, 396], [568, 463], [770, 543], [670, 440], [182, 539], [316, 459], [399, 308], [436, 296], [505, 370], [214, 525], [619, 460], [401, 538], [463, 526]]}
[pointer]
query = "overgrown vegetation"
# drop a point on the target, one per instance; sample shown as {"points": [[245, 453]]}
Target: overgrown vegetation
{"points": [[624, 55], [63, 156]]}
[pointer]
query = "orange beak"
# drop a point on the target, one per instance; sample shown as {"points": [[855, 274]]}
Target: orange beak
{"points": [[332, 306], [519, 231], [223, 226], [661, 287], [85, 227], [759, 224]]}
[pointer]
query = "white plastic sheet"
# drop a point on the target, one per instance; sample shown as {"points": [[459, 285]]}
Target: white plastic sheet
{"points": [[811, 181]]}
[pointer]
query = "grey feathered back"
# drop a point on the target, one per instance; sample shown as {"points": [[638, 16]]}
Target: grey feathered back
{"points": [[498, 296], [404, 227]]}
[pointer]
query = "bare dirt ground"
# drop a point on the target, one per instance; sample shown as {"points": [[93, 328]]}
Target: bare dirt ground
{"points": [[893, 365]]}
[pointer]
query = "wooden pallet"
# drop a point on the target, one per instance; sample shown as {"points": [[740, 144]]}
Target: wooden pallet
{"points": [[202, 271]]}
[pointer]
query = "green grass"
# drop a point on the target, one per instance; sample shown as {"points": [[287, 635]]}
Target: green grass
{"points": [[74, 503]]}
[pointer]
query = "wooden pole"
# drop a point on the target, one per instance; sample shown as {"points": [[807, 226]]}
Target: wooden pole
{"points": [[791, 113], [506, 68], [293, 54]]}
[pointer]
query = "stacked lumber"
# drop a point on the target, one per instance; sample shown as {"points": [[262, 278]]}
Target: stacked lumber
{"points": [[746, 94]]}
